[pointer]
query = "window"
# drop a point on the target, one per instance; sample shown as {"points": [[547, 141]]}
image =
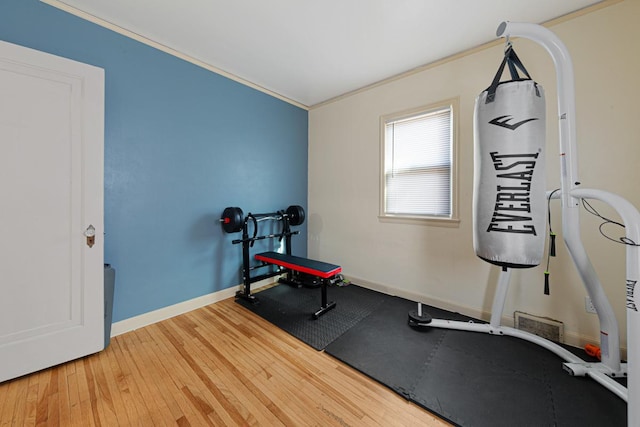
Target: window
{"points": [[418, 169]]}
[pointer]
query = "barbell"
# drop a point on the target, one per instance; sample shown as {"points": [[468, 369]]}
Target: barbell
{"points": [[233, 219]]}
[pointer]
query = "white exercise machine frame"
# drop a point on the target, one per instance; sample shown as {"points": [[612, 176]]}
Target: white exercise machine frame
{"points": [[571, 195]]}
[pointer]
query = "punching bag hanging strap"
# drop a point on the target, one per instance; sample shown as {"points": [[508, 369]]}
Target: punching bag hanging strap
{"points": [[491, 91], [514, 63]]}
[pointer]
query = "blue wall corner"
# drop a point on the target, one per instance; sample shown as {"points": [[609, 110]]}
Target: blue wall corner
{"points": [[181, 144]]}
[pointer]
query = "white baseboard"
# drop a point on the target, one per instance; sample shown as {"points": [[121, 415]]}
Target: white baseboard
{"points": [[435, 302], [164, 313], [133, 323]]}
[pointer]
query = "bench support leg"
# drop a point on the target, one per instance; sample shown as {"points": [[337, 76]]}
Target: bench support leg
{"points": [[326, 306]]}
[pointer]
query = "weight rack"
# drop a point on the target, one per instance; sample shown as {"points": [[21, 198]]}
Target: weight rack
{"points": [[233, 220]]}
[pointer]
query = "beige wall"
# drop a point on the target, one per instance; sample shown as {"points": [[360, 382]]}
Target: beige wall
{"points": [[437, 264]]}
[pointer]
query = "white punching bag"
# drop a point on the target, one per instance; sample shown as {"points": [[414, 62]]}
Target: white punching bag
{"points": [[509, 202]]}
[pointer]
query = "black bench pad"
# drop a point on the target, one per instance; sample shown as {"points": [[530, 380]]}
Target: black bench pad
{"points": [[315, 268]]}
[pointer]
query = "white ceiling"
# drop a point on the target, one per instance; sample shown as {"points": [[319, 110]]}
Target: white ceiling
{"points": [[311, 51]]}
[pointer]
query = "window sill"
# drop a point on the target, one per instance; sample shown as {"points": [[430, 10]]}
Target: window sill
{"points": [[418, 220]]}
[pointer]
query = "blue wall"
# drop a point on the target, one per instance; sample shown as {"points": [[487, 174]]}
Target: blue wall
{"points": [[181, 144]]}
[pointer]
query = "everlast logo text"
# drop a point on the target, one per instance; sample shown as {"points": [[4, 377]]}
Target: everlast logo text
{"points": [[631, 289], [512, 210]]}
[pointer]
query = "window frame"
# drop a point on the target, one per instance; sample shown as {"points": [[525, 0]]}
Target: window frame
{"points": [[452, 220]]}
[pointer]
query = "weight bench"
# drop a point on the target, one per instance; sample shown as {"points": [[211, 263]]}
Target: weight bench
{"points": [[325, 272]]}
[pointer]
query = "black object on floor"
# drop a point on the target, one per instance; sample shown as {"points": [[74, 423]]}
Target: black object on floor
{"points": [[470, 378], [291, 309]]}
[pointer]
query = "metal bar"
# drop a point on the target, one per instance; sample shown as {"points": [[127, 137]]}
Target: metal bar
{"points": [[268, 236], [265, 276], [500, 297]]}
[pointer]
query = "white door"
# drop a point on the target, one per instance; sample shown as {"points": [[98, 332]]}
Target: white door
{"points": [[51, 191]]}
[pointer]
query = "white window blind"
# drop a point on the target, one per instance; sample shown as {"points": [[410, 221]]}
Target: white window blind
{"points": [[418, 164]]}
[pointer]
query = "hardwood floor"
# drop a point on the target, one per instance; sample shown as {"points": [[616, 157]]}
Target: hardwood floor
{"points": [[220, 365]]}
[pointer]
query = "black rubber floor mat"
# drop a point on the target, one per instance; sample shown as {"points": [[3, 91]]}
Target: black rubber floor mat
{"points": [[291, 309], [473, 379]]}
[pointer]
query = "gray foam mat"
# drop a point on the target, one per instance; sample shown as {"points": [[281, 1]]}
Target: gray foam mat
{"points": [[291, 309], [473, 379]]}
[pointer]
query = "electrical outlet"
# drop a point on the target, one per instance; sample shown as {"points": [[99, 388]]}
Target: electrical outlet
{"points": [[588, 305]]}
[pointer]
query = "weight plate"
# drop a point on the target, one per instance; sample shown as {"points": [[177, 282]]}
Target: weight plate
{"points": [[296, 214], [232, 219]]}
